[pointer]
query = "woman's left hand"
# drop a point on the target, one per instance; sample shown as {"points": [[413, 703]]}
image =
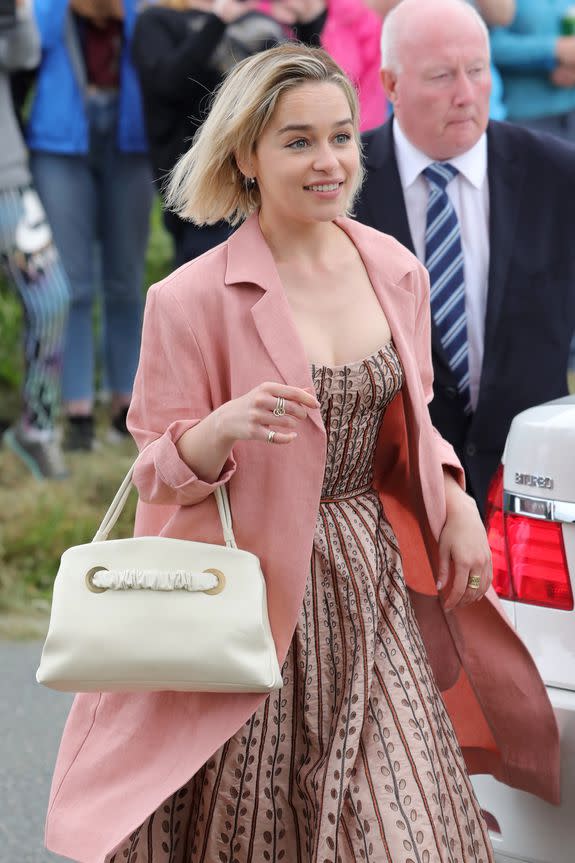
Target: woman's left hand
{"points": [[464, 553]]}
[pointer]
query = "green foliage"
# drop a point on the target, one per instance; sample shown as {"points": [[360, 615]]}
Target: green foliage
{"points": [[10, 338]]}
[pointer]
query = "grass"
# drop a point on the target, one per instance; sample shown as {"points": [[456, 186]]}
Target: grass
{"points": [[39, 520]]}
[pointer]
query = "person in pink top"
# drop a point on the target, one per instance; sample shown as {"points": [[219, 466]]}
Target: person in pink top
{"points": [[352, 35]]}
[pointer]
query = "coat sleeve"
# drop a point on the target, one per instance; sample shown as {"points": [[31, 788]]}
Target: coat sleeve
{"points": [[20, 45], [171, 395], [50, 18], [444, 450], [171, 68]]}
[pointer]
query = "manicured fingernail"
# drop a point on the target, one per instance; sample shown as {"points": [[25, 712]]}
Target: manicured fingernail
{"points": [[439, 585]]}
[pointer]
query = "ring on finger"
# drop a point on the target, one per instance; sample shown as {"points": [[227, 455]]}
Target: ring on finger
{"points": [[474, 582], [280, 409], [271, 436]]}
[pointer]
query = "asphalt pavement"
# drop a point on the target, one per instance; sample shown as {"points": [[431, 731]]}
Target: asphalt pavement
{"points": [[31, 722]]}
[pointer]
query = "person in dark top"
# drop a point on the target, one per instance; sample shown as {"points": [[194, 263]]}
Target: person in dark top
{"points": [[181, 50]]}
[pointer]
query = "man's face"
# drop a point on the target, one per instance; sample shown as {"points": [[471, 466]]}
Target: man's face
{"points": [[441, 94]]}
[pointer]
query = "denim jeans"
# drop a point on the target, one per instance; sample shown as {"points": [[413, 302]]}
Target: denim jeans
{"points": [[99, 204]]}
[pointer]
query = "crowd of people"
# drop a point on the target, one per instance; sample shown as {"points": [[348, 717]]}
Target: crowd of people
{"points": [[389, 280]]}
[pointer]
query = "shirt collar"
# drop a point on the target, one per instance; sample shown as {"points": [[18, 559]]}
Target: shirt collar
{"points": [[411, 161]]}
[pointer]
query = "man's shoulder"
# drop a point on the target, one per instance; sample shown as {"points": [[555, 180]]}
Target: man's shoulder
{"points": [[377, 145], [545, 151]]}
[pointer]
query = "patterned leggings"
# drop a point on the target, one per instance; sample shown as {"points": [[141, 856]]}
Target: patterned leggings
{"points": [[32, 266]]}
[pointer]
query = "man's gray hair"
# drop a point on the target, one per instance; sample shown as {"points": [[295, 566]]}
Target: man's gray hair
{"points": [[391, 31]]}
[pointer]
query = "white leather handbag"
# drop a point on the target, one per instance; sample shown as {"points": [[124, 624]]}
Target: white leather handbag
{"points": [[154, 613]]}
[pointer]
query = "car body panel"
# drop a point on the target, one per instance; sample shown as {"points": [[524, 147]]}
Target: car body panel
{"points": [[533, 831], [539, 463]]}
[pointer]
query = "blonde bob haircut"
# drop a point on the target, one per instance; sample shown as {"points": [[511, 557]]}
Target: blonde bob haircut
{"points": [[206, 184]]}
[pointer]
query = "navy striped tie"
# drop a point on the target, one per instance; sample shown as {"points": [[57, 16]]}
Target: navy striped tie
{"points": [[444, 261]]}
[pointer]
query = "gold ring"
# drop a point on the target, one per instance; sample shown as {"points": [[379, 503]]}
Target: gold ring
{"points": [[279, 410], [271, 436], [474, 582]]}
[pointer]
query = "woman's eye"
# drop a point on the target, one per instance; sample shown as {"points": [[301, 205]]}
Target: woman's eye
{"points": [[342, 138], [298, 145]]}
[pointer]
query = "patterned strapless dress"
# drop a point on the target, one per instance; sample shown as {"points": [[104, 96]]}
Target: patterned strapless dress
{"points": [[355, 760]]}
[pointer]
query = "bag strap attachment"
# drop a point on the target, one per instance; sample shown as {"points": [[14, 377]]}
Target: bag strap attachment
{"points": [[116, 507]]}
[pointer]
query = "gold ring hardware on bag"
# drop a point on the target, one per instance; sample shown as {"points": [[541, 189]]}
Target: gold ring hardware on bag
{"points": [[90, 579], [221, 582]]}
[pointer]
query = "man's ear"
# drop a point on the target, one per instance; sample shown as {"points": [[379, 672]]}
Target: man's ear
{"points": [[389, 81]]}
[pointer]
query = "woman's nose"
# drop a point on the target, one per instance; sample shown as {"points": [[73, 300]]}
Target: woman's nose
{"points": [[325, 159]]}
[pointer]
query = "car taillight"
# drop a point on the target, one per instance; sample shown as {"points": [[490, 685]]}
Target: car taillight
{"points": [[495, 526], [529, 561], [539, 570]]}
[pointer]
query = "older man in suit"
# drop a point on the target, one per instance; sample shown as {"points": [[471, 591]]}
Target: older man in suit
{"points": [[490, 209]]}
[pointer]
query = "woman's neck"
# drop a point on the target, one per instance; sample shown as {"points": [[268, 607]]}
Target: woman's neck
{"points": [[301, 243]]}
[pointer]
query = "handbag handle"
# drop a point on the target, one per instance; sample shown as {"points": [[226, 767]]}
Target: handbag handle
{"points": [[115, 509]]}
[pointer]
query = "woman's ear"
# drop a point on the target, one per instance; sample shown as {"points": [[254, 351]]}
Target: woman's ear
{"points": [[246, 166]]}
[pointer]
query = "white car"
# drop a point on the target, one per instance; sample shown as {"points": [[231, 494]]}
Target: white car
{"points": [[531, 528]]}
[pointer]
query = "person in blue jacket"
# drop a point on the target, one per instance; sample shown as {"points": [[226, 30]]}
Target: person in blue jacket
{"points": [[90, 165], [537, 61]]}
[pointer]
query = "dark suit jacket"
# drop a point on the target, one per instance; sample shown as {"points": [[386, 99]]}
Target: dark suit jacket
{"points": [[531, 293]]}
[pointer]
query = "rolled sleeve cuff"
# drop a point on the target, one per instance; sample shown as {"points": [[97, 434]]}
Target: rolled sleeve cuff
{"points": [[161, 475]]}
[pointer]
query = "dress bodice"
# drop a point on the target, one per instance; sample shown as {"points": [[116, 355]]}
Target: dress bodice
{"points": [[353, 399]]}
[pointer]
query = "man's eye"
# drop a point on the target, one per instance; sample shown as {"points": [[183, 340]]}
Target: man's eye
{"points": [[298, 145]]}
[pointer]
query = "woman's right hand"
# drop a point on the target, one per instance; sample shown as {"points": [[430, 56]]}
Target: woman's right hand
{"points": [[251, 417]]}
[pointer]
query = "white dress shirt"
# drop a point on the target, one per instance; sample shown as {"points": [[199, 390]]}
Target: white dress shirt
{"points": [[469, 194]]}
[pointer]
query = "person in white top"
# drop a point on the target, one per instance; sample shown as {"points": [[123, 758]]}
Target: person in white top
{"points": [[498, 242]]}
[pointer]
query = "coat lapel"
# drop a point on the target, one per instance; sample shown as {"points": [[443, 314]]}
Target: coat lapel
{"points": [[397, 303], [250, 261]]}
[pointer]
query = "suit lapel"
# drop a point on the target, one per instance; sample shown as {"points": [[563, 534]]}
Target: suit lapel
{"points": [[382, 194], [506, 171], [250, 261]]}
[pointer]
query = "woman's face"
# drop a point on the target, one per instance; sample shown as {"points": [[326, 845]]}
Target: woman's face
{"points": [[307, 160]]}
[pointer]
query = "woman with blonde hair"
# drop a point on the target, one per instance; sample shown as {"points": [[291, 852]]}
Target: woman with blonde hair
{"points": [[292, 362]]}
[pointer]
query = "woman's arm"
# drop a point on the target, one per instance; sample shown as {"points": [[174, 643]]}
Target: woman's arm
{"points": [[463, 547], [186, 441]]}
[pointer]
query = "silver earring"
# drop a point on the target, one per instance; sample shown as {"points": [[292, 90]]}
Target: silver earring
{"points": [[249, 183]]}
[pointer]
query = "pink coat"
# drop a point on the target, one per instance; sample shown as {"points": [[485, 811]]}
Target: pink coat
{"points": [[213, 330]]}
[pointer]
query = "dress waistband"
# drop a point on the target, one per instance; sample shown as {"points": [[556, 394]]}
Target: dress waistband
{"points": [[348, 495]]}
